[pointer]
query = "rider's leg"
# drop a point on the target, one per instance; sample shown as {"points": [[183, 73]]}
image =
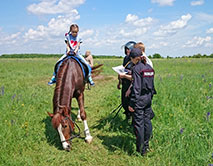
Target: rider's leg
{"points": [[53, 79]]}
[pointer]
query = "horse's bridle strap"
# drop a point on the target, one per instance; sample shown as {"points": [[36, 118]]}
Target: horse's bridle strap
{"points": [[71, 131]]}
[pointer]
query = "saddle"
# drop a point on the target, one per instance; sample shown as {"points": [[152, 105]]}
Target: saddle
{"points": [[83, 66]]}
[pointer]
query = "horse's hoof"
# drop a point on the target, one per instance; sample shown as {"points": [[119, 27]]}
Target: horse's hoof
{"points": [[88, 139]]}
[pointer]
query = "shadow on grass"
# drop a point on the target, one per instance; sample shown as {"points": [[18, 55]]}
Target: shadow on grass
{"points": [[51, 134], [123, 137], [124, 143], [115, 124]]}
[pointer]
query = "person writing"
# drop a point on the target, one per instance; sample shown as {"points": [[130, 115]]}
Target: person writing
{"points": [[124, 81]]}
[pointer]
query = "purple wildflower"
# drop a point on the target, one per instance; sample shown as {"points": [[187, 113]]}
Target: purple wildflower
{"points": [[2, 90], [181, 77], [210, 164], [212, 155], [207, 116], [210, 85], [13, 97], [181, 130]]}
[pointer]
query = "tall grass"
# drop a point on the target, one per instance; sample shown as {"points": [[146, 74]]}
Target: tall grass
{"points": [[182, 127]]}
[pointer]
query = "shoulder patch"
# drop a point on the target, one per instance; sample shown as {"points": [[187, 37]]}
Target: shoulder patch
{"points": [[148, 73]]}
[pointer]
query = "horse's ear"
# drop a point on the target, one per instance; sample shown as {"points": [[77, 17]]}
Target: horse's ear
{"points": [[51, 115]]}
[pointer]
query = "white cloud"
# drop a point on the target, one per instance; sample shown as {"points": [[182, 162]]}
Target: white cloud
{"points": [[158, 45], [209, 30], [134, 20], [86, 33], [131, 18], [197, 41], [173, 26], [10, 39], [136, 32], [163, 2], [210, 45], [54, 6], [55, 27], [196, 3]]}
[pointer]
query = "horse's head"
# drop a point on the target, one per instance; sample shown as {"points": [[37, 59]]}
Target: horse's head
{"points": [[65, 126]]}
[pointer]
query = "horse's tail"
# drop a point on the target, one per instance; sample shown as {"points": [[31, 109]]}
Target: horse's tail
{"points": [[96, 70], [96, 67]]}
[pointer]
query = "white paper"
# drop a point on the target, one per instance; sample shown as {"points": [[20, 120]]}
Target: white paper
{"points": [[119, 69]]}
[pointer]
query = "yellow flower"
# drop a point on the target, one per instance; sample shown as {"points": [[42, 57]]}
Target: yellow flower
{"points": [[22, 105]]}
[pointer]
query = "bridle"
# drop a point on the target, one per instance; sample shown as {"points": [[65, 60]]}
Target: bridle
{"points": [[67, 118]]}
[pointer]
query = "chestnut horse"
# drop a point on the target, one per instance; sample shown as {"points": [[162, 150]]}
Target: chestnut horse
{"points": [[70, 83]]}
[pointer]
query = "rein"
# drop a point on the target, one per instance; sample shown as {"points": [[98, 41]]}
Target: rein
{"points": [[71, 131]]}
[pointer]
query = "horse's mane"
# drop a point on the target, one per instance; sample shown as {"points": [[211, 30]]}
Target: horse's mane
{"points": [[67, 69], [66, 66]]}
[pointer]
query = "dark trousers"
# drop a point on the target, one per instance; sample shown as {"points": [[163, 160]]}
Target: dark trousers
{"points": [[125, 100], [142, 128]]}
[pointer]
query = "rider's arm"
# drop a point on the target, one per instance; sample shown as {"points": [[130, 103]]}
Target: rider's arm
{"points": [[76, 49], [68, 48]]}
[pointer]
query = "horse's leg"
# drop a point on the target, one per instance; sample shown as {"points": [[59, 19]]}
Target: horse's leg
{"points": [[88, 137], [79, 116]]}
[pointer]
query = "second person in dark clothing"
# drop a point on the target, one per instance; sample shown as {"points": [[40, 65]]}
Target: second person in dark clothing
{"points": [[125, 82], [142, 92]]}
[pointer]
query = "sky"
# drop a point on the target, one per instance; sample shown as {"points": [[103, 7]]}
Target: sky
{"points": [[172, 28]]}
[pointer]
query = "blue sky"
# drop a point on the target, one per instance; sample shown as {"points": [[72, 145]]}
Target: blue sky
{"points": [[169, 27]]}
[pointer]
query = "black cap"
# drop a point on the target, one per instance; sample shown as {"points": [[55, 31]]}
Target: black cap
{"points": [[135, 52]]}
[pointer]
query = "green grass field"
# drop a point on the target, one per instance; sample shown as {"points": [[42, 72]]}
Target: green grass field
{"points": [[182, 127]]}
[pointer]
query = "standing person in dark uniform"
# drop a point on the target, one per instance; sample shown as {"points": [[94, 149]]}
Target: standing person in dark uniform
{"points": [[125, 82], [141, 95]]}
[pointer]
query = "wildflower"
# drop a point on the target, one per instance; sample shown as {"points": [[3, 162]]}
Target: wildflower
{"points": [[181, 130], [22, 105], [207, 116], [13, 97], [212, 155], [2, 90], [12, 122], [181, 77], [208, 97], [210, 85]]}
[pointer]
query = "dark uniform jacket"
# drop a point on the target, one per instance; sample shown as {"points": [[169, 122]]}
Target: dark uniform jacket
{"points": [[142, 86]]}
